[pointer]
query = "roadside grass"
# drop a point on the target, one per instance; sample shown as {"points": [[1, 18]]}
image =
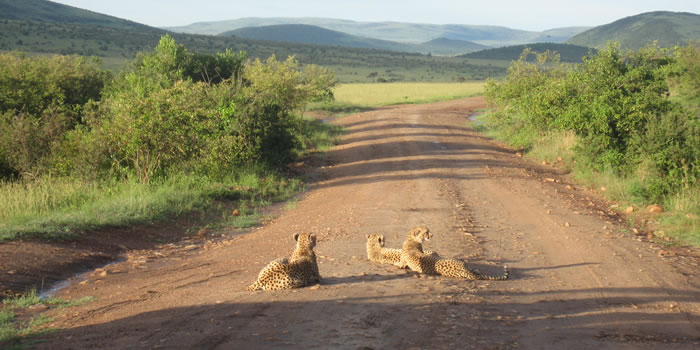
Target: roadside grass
{"points": [[53, 208], [17, 333], [355, 98], [679, 222], [321, 136]]}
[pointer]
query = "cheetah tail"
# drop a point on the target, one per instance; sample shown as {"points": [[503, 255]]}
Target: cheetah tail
{"points": [[506, 273], [254, 286], [503, 277]]}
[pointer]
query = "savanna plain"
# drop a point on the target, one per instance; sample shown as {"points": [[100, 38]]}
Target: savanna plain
{"points": [[138, 216]]}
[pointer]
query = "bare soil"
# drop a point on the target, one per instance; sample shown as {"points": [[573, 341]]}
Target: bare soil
{"points": [[579, 278]]}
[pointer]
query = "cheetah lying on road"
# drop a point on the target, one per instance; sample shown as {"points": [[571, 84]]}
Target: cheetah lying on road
{"points": [[298, 271], [378, 253], [412, 256]]}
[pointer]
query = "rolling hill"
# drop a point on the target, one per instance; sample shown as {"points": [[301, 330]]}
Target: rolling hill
{"points": [[308, 34], [567, 52], [47, 11], [444, 46], [67, 30], [414, 33], [669, 28]]}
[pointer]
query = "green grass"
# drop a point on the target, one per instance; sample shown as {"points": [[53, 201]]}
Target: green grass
{"points": [[58, 208], [14, 333], [680, 222], [31, 299]]}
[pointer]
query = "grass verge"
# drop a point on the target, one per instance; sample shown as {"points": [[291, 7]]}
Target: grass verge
{"points": [[679, 223], [16, 332]]}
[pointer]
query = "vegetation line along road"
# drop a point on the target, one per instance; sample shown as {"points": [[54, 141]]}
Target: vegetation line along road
{"points": [[626, 122], [87, 148]]}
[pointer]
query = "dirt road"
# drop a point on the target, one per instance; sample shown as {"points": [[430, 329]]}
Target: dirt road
{"points": [[577, 281]]}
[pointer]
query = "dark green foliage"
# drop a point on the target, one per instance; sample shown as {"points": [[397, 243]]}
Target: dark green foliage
{"points": [[174, 110], [42, 99], [618, 105], [567, 53]]}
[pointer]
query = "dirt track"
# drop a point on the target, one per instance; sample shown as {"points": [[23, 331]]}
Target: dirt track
{"points": [[577, 281]]}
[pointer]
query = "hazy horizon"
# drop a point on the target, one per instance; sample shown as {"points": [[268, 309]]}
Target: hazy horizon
{"points": [[535, 15]]}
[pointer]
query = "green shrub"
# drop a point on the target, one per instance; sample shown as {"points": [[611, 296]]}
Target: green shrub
{"points": [[617, 103], [41, 99]]}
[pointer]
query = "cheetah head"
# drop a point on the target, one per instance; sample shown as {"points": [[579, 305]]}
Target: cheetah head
{"points": [[305, 240], [375, 238], [420, 234]]}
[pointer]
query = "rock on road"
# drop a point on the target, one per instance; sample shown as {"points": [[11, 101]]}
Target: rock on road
{"points": [[577, 280]]}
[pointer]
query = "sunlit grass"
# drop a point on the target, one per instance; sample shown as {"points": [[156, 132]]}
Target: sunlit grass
{"points": [[382, 94]]}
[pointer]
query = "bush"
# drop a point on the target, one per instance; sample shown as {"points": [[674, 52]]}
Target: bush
{"points": [[41, 99], [617, 103], [169, 114]]}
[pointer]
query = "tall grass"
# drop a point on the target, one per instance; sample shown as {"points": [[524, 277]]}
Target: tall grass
{"points": [[58, 208]]}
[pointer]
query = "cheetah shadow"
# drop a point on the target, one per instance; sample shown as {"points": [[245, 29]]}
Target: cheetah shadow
{"points": [[362, 278]]}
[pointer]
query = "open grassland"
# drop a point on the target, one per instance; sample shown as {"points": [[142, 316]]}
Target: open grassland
{"points": [[373, 95]]}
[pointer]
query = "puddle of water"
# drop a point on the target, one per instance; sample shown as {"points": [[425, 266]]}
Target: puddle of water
{"points": [[473, 116], [77, 278]]}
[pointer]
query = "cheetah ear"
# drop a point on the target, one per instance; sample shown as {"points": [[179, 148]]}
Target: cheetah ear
{"points": [[367, 235], [296, 236]]}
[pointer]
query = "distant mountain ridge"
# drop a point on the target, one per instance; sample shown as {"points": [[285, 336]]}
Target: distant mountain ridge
{"points": [[634, 32], [414, 33], [309, 34]]}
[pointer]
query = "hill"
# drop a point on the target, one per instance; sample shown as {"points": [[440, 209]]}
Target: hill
{"points": [[567, 52], [444, 46], [49, 32], [414, 33], [669, 28], [308, 34], [47, 11]]}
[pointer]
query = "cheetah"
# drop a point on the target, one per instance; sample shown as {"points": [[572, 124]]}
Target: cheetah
{"points": [[300, 270], [378, 253], [412, 255]]}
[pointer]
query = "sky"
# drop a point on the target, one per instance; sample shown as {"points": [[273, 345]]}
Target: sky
{"points": [[535, 15]]}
